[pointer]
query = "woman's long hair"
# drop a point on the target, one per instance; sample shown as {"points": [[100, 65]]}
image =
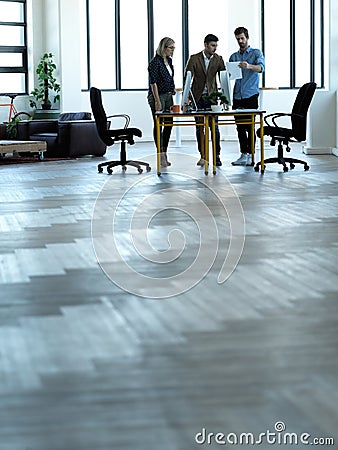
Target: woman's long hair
{"points": [[164, 43]]}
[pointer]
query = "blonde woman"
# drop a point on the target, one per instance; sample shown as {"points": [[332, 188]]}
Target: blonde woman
{"points": [[161, 90]]}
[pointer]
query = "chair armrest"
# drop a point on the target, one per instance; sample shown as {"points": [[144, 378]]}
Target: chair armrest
{"points": [[127, 118], [273, 117]]}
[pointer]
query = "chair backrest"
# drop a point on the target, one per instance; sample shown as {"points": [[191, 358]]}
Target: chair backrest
{"points": [[300, 109], [100, 116]]}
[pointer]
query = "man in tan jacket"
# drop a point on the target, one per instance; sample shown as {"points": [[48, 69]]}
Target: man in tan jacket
{"points": [[205, 67]]}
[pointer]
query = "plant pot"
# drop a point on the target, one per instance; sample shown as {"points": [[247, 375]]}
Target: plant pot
{"points": [[46, 106], [217, 108]]}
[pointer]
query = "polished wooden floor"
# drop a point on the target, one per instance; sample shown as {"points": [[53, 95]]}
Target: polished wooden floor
{"points": [[84, 365]]}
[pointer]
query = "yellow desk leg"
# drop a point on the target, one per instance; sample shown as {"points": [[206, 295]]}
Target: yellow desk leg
{"points": [[262, 143], [253, 120], [213, 140], [206, 144], [202, 138], [158, 144]]}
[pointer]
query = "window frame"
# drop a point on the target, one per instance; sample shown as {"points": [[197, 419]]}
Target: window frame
{"points": [[21, 49], [292, 28], [185, 42]]}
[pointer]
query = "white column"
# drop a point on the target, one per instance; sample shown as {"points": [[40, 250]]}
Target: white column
{"points": [[178, 129]]}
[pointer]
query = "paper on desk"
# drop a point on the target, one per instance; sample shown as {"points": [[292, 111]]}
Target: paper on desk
{"points": [[233, 70]]}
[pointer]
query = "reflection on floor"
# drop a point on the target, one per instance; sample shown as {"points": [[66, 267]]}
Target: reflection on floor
{"points": [[85, 364]]}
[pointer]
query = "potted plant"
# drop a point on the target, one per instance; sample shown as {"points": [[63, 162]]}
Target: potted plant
{"points": [[46, 83], [218, 97]]}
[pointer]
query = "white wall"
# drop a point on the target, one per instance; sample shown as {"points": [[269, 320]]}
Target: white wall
{"points": [[62, 16], [70, 44]]}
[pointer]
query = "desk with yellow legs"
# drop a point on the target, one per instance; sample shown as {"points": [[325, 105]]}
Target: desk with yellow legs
{"points": [[243, 116], [184, 119]]}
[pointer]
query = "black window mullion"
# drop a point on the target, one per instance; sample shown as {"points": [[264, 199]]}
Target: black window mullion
{"points": [[312, 40], [150, 16], [88, 45], [117, 45], [292, 44], [263, 36], [321, 43], [185, 32], [25, 53]]}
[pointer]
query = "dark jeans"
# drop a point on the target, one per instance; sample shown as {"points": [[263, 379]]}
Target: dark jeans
{"points": [[167, 102], [244, 130], [206, 104]]}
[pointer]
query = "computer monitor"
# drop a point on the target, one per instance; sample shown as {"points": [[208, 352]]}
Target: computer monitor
{"points": [[226, 85], [186, 90]]}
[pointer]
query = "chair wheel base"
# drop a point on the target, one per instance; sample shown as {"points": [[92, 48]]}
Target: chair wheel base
{"points": [[282, 161]]}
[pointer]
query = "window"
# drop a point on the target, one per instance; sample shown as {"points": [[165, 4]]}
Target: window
{"points": [[297, 58], [172, 28], [102, 44], [199, 29], [118, 45], [13, 49], [133, 44]]}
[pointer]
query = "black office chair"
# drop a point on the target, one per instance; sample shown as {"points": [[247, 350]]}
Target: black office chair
{"points": [[286, 135], [109, 137]]}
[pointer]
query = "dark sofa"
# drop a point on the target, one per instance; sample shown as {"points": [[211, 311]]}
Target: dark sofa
{"points": [[72, 134]]}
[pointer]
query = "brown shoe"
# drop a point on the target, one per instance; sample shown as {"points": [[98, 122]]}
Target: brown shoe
{"points": [[166, 159], [164, 162]]}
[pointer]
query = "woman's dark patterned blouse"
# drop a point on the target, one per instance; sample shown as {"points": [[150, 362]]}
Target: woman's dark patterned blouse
{"points": [[159, 74]]}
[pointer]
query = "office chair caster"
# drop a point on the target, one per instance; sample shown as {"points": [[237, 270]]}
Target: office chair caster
{"points": [[100, 170], [110, 171], [292, 166], [124, 168], [257, 166], [285, 169], [148, 169], [140, 170], [306, 167]]}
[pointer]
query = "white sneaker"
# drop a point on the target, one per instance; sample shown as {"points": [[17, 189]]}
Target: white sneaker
{"points": [[249, 159], [242, 160]]}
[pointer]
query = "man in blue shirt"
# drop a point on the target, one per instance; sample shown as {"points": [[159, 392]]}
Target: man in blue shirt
{"points": [[246, 90]]}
